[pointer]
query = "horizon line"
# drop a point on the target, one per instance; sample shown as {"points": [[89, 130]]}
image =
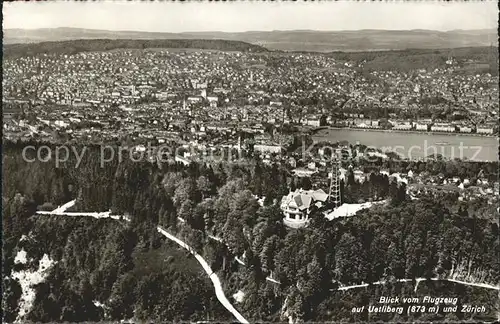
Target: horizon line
{"points": [[250, 31]]}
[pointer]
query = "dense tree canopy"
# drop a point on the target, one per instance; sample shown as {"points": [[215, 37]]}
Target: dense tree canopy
{"points": [[127, 265]]}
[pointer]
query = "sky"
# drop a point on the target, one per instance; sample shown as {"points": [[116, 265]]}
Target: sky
{"points": [[249, 15]]}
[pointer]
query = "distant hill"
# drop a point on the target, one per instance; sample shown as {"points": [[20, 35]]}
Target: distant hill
{"points": [[295, 40], [92, 45], [471, 60]]}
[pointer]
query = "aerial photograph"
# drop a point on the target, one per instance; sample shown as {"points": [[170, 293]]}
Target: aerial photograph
{"points": [[250, 162]]}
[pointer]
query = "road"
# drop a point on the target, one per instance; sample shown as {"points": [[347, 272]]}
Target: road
{"points": [[215, 279], [218, 239], [382, 282], [482, 285], [219, 292]]}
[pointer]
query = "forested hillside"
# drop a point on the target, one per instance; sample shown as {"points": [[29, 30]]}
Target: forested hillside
{"points": [[101, 263], [286, 40], [470, 59], [99, 45], [430, 237]]}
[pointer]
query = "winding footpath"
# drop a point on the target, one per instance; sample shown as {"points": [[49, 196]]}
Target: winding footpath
{"points": [[218, 239], [215, 280], [63, 208], [61, 211], [381, 282], [219, 292], [418, 280]]}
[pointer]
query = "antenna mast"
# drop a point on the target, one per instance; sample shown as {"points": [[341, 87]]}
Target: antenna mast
{"points": [[334, 192]]}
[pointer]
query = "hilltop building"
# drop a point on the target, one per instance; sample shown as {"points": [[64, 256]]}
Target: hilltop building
{"points": [[297, 205]]}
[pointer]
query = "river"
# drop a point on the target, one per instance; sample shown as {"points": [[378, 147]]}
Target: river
{"points": [[418, 145]]}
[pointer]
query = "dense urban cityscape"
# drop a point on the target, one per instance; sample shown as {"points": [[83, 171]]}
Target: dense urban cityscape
{"points": [[126, 90]]}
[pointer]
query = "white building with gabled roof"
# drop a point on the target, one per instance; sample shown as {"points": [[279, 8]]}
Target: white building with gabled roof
{"points": [[297, 205]]}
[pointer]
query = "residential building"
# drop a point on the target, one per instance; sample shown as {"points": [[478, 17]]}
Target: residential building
{"points": [[422, 127], [264, 148], [484, 130], [465, 129], [443, 127]]}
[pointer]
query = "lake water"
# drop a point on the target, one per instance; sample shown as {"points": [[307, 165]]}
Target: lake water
{"points": [[418, 145]]}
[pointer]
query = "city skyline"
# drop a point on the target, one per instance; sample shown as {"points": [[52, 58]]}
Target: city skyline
{"points": [[230, 17]]}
